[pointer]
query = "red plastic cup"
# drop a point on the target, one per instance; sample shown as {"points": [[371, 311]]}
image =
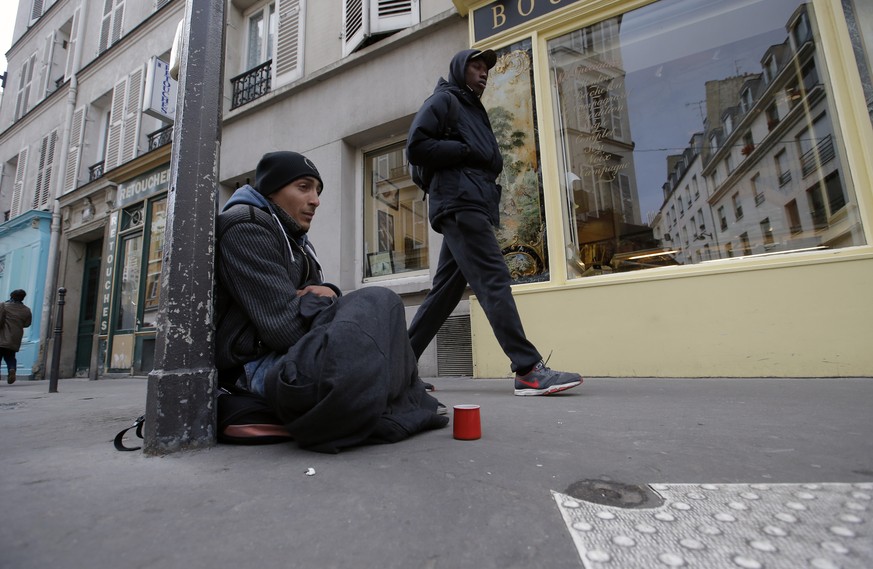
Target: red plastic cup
{"points": [[467, 426]]}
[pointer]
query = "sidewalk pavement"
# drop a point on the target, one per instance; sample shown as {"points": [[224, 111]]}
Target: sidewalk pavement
{"points": [[524, 495]]}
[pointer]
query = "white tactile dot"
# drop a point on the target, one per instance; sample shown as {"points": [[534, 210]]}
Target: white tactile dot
{"points": [[671, 560], [780, 526], [746, 562]]}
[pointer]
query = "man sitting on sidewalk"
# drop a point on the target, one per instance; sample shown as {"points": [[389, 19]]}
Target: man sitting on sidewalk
{"points": [[337, 370]]}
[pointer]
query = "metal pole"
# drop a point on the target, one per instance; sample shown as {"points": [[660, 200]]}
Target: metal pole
{"points": [[56, 349], [180, 403]]}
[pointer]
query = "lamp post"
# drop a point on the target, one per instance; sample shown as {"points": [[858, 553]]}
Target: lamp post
{"points": [[180, 401]]}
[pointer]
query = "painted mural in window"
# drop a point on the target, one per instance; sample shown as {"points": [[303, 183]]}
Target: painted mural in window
{"points": [[510, 100], [395, 216], [726, 95]]}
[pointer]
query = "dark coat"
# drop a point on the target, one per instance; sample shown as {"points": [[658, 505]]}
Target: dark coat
{"points": [[14, 318], [258, 310], [467, 163]]}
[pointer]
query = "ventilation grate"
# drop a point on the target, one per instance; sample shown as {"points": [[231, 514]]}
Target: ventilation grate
{"points": [[455, 347]]}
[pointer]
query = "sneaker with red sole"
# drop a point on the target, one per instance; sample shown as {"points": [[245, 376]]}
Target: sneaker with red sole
{"points": [[544, 381]]}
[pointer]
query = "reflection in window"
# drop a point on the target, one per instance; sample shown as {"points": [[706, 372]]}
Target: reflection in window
{"points": [[152, 293], [737, 106], [395, 216], [128, 292]]}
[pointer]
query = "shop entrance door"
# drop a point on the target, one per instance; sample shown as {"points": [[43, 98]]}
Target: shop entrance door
{"points": [[88, 313]]}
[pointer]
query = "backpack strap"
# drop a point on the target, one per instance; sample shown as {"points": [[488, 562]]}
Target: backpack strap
{"points": [[119, 443]]}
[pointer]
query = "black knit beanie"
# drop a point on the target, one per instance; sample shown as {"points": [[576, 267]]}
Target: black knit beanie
{"points": [[278, 169]]}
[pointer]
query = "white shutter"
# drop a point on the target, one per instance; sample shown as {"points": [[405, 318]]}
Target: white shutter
{"points": [[392, 15], [44, 173], [71, 47], [25, 80], [116, 119], [18, 185], [36, 11], [74, 155], [355, 25], [288, 62], [132, 114], [364, 18], [111, 26], [48, 64]]}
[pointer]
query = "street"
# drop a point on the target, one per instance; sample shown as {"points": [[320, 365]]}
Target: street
{"points": [[681, 456]]}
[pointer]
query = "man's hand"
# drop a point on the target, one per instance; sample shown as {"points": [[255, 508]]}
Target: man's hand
{"points": [[317, 290]]}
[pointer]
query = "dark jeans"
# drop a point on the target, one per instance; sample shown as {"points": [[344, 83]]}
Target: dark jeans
{"points": [[8, 356], [471, 254]]}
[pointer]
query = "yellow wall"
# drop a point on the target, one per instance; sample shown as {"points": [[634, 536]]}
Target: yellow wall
{"points": [[800, 320]]}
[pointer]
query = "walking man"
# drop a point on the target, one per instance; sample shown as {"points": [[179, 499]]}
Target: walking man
{"points": [[14, 318], [452, 137]]}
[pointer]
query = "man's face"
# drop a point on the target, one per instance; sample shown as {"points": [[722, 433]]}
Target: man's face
{"points": [[299, 199], [476, 76]]}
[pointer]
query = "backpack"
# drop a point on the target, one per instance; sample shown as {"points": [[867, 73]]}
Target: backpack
{"points": [[423, 175], [243, 419]]}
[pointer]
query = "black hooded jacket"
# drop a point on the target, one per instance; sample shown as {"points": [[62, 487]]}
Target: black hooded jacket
{"points": [[467, 163]]}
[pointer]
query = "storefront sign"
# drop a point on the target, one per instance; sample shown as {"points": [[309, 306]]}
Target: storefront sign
{"points": [[143, 187], [503, 15], [106, 294], [160, 91]]}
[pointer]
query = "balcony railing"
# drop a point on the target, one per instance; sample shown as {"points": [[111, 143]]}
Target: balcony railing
{"points": [[822, 153], [784, 178], [251, 85], [95, 171], [161, 137]]}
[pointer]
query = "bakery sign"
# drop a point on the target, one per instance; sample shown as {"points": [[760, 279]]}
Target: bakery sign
{"points": [[502, 15]]}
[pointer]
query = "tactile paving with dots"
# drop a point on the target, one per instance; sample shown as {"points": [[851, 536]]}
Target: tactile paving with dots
{"points": [[731, 526]]}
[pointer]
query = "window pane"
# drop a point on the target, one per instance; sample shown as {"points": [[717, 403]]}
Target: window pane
{"points": [[155, 261], [510, 100], [727, 96], [128, 290], [395, 216], [256, 40]]}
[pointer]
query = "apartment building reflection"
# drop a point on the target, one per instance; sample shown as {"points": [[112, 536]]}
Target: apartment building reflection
{"points": [[764, 175]]}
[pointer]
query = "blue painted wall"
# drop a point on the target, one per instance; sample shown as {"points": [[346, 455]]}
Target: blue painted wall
{"points": [[24, 245]]}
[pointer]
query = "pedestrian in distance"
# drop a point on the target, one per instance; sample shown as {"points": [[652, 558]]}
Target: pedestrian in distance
{"points": [[338, 370], [14, 318], [451, 136]]}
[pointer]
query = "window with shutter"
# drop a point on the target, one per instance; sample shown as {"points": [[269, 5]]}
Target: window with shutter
{"points": [[74, 155], [18, 185], [24, 83], [132, 114], [288, 64], [44, 172], [116, 119], [71, 47], [111, 26], [364, 19], [35, 11]]}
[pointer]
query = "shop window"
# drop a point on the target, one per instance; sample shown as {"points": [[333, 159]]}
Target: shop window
{"points": [[510, 101], [625, 71], [137, 298], [395, 216]]}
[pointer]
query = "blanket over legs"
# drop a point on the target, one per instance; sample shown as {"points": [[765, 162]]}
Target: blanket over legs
{"points": [[353, 378]]}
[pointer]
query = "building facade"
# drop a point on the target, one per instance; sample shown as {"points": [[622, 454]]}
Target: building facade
{"points": [[676, 201]]}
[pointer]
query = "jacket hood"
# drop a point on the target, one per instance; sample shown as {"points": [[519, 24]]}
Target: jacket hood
{"points": [[458, 68], [247, 195]]}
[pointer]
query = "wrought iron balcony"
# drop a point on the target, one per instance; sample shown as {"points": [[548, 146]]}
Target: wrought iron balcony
{"points": [[251, 85], [161, 137], [822, 153], [95, 171]]}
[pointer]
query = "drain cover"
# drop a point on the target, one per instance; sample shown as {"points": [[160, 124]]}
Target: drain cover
{"points": [[615, 494]]}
